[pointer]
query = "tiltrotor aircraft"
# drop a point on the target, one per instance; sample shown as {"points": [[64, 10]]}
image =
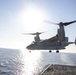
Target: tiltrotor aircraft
{"points": [[58, 42]]}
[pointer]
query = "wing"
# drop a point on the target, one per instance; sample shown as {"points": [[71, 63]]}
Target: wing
{"points": [[53, 39]]}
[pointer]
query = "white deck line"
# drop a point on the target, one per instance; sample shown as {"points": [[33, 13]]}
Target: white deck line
{"points": [[45, 69]]}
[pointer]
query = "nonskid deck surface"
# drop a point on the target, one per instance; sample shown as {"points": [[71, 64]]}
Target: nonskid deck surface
{"points": [[59, 70]]}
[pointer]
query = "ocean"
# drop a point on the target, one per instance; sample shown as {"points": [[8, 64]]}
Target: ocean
{"points": [[21, 62]]}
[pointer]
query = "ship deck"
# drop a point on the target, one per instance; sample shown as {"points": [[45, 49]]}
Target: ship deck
{"points": [[59, 70]]}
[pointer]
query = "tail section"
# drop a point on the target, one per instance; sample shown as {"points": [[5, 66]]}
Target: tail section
{"points": [[72, 42], [75, 41]]}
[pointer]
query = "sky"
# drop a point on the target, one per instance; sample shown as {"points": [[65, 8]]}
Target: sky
{"points": [[25, 16]]}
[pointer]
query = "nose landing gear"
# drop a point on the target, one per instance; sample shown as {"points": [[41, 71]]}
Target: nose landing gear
{"points": [[50, 51]]}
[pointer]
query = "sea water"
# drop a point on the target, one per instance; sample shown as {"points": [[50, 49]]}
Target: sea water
{"points": [[21, 62]]}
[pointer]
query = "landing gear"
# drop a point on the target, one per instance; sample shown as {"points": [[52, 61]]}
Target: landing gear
{"points": [[57, 51], [29, 51], [50, 51]]}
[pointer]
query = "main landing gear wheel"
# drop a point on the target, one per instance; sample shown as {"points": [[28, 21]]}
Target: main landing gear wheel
{"points": [[57, 51], [29, 51], [50, 51]]}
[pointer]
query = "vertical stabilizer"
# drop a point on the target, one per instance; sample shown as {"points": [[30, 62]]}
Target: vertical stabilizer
{"points": [[75, 41]]}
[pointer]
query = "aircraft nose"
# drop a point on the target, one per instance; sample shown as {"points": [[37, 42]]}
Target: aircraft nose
{"points": [[27, 47]]}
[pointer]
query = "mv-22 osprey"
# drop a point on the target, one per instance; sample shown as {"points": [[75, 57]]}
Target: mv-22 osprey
{"points": [[58, 42]]}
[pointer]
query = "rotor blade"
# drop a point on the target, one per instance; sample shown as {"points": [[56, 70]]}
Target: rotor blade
{"points": [[39, 32], [50, 22], [33, 33], [29, 33], [68, 23]]}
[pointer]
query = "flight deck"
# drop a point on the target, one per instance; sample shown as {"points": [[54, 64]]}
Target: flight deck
{"points": [[59, 70]]}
